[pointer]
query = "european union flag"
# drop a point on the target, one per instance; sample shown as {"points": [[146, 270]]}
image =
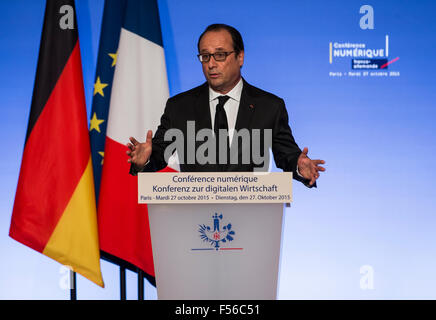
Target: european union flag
{"points": [[113, 19]]}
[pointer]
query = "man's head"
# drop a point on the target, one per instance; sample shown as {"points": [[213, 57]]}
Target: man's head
{"points": [[222, 76]]}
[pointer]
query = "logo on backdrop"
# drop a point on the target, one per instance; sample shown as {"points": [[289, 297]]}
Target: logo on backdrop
{"points": [[217, 235], [360, 59]]}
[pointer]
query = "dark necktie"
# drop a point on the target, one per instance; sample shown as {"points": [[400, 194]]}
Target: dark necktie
{"points": [[221, 123]]}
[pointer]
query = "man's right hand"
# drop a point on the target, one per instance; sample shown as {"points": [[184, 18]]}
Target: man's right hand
{"points": [[138, 152]]}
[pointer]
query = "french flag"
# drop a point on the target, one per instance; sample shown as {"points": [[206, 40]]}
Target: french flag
{"points": [[138, 96]]}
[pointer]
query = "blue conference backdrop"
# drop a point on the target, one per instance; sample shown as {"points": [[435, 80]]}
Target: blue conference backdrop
{"points": [[358, 79]]}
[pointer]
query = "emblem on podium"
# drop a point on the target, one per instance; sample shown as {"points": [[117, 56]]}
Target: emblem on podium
{"points": [[217, 233]]}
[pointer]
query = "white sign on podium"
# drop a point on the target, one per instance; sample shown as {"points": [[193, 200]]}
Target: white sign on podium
{"points": [[217, 249]]}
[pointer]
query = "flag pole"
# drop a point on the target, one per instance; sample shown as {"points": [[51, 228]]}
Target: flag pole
{"points": [[122, 283], [73, 292], [140, 284]]}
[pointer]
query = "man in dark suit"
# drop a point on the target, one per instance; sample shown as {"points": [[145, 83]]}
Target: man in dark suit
{"points": [[225, 103]]}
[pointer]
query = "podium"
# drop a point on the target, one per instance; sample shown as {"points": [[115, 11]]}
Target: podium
{"points": [[221, 242]]}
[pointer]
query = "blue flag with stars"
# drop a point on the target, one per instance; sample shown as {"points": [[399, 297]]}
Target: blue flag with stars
{"points": [[113, 17]]}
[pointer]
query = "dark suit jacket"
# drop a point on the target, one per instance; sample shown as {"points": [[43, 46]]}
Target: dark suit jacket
{"points": [[258, 109]]}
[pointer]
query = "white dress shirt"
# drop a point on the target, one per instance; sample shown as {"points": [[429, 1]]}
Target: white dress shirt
{"points": [[231, 106]]}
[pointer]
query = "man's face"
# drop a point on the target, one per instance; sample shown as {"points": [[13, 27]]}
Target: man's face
{"points": [[222, 76]]}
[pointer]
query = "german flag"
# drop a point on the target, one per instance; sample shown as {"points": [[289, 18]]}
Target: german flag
{"points": [[54, 211]]}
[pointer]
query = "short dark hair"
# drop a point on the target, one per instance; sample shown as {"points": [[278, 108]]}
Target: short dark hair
{"points": [[238, 44]]}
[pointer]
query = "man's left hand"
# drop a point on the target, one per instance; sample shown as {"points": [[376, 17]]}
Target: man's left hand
{"points": [[309, 168]]}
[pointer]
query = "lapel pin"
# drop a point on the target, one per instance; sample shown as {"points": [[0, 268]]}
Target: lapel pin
{"points": [[251, 106]]}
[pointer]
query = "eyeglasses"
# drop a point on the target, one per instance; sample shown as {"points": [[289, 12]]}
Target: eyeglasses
{"points": [[218, 56]]}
